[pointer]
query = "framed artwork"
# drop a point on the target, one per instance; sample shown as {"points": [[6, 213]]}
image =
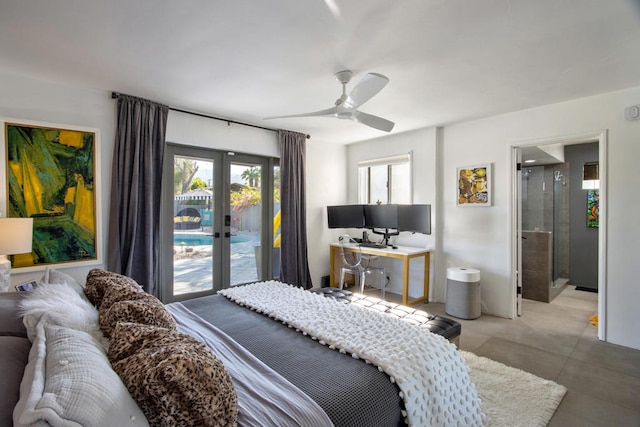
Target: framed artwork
{"points": [[593, 208], [474, 185], [51, 175]]}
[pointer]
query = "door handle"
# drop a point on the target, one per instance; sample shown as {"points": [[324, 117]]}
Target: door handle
{"points": [[216, 235], [227, 234]]}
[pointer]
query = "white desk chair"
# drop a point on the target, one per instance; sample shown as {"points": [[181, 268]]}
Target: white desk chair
{"points": [[354, 263]]}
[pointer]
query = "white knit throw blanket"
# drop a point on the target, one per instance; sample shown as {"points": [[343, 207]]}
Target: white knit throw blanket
{"points": [[432, 376]]}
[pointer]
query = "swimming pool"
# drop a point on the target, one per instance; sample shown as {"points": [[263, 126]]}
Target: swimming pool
{"points": [[201, 239]]}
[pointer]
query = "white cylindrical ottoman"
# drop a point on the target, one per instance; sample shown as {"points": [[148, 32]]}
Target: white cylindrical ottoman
{"points": [[463, 293]]}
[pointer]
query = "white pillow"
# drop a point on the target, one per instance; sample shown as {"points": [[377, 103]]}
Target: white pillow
{"points": [[56, 277], [69, 382], [63, 306]]}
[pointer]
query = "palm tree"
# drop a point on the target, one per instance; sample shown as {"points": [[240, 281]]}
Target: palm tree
{"points": [[252, 176]]}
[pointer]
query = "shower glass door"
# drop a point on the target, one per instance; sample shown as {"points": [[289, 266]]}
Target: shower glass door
{"points": [[560, 225]]}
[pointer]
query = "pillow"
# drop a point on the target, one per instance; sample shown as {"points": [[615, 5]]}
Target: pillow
{"points": [[98, 281], [63, 306], [10, 315], [146, 310], [117, 293], [175, 378], [69, 382], [55, 277]]}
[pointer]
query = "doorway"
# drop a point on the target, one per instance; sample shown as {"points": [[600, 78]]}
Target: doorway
{"points": [[217, 223], [548, 234]]}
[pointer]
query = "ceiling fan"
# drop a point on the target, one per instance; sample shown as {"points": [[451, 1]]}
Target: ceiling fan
{"points": [[347, 105]]}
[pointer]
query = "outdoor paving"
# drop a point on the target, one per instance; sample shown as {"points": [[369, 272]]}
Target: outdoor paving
{"points": [[193, 269]]}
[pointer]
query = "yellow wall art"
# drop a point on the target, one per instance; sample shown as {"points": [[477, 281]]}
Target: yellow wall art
{"points": [[474, 185]]}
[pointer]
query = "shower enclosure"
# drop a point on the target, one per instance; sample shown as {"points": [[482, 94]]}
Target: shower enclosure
{"points": [[545, 231]]}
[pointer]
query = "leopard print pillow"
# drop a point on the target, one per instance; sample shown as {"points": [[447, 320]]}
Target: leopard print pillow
{"points": [[117, 293], [146, 310], [98, 281], [176, 380]]}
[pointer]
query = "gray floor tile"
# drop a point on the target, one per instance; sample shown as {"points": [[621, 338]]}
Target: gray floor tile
{"points": [[471, 342], [538, 362], [565, 419], [617, 358], [590, 331], [580, 409], [542, 336], [601, 383], [559, 311]]}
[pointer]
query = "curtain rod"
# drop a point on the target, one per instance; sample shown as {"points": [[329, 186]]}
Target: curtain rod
{"points": [[115, 95]]}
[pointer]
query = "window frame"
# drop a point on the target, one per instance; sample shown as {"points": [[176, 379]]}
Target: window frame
{"points": [[364, 177]]}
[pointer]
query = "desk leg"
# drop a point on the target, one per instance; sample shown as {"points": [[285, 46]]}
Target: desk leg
{"points": [[333, 280], [405, 280], [427, 277]]}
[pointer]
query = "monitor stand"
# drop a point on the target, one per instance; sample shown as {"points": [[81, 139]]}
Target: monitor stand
{"points": [[386, 233]]}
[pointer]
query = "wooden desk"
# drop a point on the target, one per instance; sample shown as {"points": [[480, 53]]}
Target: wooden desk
{"points": [[405, 253]]}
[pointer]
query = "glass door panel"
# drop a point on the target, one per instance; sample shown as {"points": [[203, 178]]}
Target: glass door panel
{"points": [[192, 210], [245, 201], [277, 219], [219, 216], [193, 231]]}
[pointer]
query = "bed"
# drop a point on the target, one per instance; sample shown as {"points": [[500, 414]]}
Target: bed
{"points": [[217, 360]]}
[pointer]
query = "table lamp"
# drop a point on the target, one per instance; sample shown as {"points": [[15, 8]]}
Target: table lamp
{"points": [[16, 237]]}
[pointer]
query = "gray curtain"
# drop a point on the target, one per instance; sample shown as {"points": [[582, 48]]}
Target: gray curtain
{"points": [[293, 248], [134, 216]]}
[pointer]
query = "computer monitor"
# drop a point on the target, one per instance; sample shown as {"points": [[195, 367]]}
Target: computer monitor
{"points": [[382, 220], [414, 218], [381, 216], [345, 216]]}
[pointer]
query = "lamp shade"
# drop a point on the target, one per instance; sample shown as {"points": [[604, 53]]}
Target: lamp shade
{"points": [[16, 235]]}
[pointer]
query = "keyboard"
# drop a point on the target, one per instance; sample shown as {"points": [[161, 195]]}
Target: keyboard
{"points": [[373, 245]]}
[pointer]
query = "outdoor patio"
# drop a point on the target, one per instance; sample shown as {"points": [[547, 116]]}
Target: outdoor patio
{"points": [[192, 264]]}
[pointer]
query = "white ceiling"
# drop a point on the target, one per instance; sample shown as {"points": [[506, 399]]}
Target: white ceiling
{"points": [[447, 60]]}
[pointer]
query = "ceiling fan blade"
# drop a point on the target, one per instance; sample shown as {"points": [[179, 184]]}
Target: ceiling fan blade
{"points": [[366, 88], [330, 112], [373, 121], [334, 9]]}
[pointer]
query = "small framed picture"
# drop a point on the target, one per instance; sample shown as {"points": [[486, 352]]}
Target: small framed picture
{"points": [[27, 286], [474, 185]]}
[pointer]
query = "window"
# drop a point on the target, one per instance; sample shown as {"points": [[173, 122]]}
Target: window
{"points": [[386, 180]]}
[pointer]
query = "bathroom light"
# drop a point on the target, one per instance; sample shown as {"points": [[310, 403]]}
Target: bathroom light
{"points": [[17, 238], [530, 161]]}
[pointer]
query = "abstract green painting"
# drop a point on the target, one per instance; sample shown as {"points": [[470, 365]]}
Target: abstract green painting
{"points": [[51, 177]]}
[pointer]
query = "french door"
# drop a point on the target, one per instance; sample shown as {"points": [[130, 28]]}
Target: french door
{"points": [[218, 227]]}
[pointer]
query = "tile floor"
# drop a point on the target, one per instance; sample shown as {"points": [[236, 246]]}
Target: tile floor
{"points": [[556, 341]]}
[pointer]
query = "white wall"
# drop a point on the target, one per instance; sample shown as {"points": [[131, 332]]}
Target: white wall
{"points": [[422, 144], [189, 129], [326, 185], [40, 100], [481, 237]]}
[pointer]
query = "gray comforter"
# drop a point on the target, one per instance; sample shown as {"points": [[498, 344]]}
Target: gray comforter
{"points": [[351, 392]]}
